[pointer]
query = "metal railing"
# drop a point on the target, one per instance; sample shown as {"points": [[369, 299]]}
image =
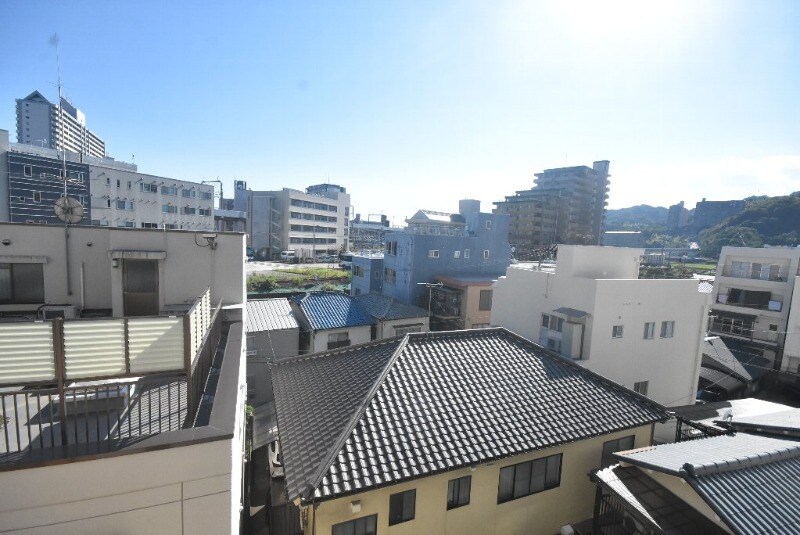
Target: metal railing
{"points": [[103, 382], [687, 430]]}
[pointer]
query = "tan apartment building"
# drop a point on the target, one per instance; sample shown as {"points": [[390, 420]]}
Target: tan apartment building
{"points": [[753, 294], [566, 205], [645, 334], [122, 380], [462, 302], [464, 432]]}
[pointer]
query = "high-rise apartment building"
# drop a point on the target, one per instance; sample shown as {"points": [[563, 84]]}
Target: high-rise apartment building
{"points": [[567, 205], [677, 217], [40, 122], [309, 223]]}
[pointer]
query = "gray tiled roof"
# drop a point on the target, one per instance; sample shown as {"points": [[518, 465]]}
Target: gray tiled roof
{"points": [[436, 402], [382, 307], [269, 315], [785, 421], [750, 481], [331, 310]]}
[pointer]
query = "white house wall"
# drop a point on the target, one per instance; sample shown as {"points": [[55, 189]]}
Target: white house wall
{"points": [[358, 335]]}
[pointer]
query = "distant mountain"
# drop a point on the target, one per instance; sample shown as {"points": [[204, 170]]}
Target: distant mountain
{"points": [[636, 217], [770, 220]]}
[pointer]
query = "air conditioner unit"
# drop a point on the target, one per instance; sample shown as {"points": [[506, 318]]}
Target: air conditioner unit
{"points": [[59, 311]]}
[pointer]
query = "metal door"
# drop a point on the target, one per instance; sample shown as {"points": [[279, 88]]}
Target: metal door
{"points": [[140, 287]]}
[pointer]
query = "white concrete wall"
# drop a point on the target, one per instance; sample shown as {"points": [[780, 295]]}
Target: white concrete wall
{"points": [[177, 490], [670, 365], [386, 329], [189, 267], [791, 349], [358, 335]]}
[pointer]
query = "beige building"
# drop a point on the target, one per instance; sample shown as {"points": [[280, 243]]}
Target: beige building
{"points": [[462, 302], [454, 432], [329, 320], [645, 334], [391, 317], [753, 293], [107, 339]]}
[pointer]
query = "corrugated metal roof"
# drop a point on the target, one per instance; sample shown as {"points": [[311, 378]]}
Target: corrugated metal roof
{"points": [[717, 355], [440, 400], [382, 307], [269, 315], [782, 421], [704, 455], [331, 310]]}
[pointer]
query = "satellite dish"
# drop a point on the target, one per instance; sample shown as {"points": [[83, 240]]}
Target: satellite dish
{"points": [[69, 210]]}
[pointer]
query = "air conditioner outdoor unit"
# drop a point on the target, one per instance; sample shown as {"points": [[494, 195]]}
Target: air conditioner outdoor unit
{"points": [[60, 311]]}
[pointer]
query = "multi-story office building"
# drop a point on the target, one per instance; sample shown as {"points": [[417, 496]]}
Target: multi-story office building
{"points": [[677, 216], [124, 197], [469, 243], [710, 213], [42, 123], [645, 334], [309, 223], [112, 193], [753, 291], [31, 182], [567, 205]]}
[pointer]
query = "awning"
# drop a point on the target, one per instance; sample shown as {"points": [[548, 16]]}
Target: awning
{"points": [[137, 255], [571, 312]]}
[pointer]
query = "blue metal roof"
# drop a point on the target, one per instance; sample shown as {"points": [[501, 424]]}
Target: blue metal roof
{"points": [[331, 310]]}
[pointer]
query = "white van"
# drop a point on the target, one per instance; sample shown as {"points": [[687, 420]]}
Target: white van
{"points": [[287, 256]]}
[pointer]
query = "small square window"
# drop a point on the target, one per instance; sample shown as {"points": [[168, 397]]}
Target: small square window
{"points": [[773, 327], [402, 506], [37, 196], [667, 329], [649, 330], [27, 170], [456, 254], [433, 253], [466, 253], [488, 224], [641, 387], [458, 491], [616, 331], [486, 254]]}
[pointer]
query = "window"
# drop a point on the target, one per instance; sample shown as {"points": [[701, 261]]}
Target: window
{"points": [[485, 300], [402, 506], [119, 182], [367, 525], [466, 253], [391, 248], [358, 271], [169, 209], [390, 275], [554, 323], [338, 340], [169, 190], [37, 196], [488, 224], [400, 330], [486, 254], [204, 211], [616, 331], [433, 253], [524, 479], [456, 254], [124, 205], [189, 210], [108, 181], [27, 170], [458, 492], [188, 193], [773, 327], [149, 225], [641, 387], [206, 195], [129, 184], [612, 446], [667, 329], [150, 188], [21, 283], [649, 330]]}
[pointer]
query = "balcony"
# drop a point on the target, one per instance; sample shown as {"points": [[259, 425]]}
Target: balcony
{"points": [[70, 387]]}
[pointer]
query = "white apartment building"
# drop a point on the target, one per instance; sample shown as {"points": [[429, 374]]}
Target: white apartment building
{"points": [[123, 197], [122, 381], [644, 334], [309, 223], [755, 302], [42, 123]]}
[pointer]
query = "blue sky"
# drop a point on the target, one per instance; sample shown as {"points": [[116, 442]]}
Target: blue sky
{"points": [[418, 104]]}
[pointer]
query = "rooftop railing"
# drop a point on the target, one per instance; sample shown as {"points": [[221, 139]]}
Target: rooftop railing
{"points": [[105, 381]]}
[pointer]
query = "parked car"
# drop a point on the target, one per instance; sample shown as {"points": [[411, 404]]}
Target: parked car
{"points": [[275, 460], [324, 258], [287, 256]]}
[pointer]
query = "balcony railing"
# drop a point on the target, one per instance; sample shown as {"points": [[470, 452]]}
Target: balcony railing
{"points": [[102, 382], [726, 327]]}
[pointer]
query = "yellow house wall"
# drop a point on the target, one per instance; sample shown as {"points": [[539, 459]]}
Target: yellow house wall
{"points": [[472, 313], [544, 512]]}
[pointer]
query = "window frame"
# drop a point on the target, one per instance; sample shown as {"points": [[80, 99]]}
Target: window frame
{"points": [[482, 300], [14, 283], [667, 329], [649, 330], [342, 526], [529, 466], [607, 460], [637, 387], [399, 517], [27, 170], [455, 490], [433, 253], [486, 254], [617, 331]]}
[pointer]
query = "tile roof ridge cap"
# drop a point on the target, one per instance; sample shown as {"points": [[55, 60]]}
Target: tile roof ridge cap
{"points": [[333, 451], [329, 352], [790, 451], [580, 369]]}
